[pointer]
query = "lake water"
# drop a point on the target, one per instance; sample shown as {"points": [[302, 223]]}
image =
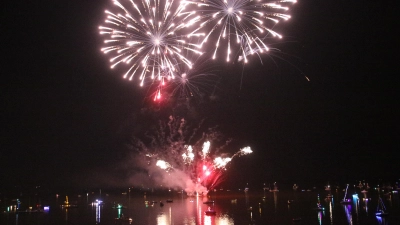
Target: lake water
{"points": [[232, 207]]}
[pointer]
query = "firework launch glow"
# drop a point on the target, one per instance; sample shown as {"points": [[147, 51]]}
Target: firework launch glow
{"points": [[195, 168]]}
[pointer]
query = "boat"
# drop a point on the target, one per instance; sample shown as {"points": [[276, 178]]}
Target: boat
{"points": [[246, 188], [360, 185], [319, 206], [328, 187], [275, 188], [265, 188], [67, 205], [345, 200], [97, 203], [363, 187], [381, 209]]}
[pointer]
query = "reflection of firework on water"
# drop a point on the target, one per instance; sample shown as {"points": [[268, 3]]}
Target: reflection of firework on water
{"points": [[144, 36], [247, 22], [184, 153]]}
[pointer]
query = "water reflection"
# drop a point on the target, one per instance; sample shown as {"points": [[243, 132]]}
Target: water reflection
{"points": [[170, 215], [275, 200], [382, 220], [247, 199], [356, 202], [207, 220], [365, 201], [66, 215], [330, 207], [320, 217], [366, 205], [199, 210], [194, 211], [162, 219], [330, 201], [98, 213], [347, 209], [231, 208], [97, 205], [225, 220]]}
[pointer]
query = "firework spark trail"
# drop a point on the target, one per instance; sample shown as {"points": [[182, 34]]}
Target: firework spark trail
{"points": [[244, 20], [244, 151], [201, 164], [193, 82], [145, 37]]}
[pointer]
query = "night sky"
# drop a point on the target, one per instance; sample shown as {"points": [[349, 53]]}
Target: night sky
{"points": [[66, 114]]}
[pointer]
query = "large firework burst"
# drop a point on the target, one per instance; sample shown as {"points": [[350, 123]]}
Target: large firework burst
{"points": [[145, 37], [248, 22]]}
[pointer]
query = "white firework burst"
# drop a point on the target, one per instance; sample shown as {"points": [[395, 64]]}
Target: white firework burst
{"points": [[144, 36], [246, 21]]}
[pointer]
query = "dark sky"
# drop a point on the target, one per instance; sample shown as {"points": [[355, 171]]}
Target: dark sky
{"points": [[64, 112]]}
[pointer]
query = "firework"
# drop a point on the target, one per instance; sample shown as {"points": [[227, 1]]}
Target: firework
{"points": [[163, 165], [144, 36], [244, 151], [247, 22], [221, 162], [194, 82], [201, 164], [189, 155], [207, 170]]}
